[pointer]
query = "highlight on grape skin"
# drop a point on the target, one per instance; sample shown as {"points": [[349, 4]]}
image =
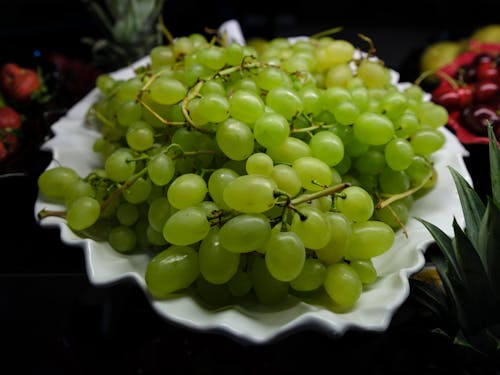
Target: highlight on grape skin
{"points": [[256, 171]]}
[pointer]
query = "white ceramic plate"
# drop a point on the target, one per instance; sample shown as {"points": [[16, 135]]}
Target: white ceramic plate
{"points": [[71, 146]]}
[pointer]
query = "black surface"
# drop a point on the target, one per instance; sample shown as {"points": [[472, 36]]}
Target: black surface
{"points": [[53, 321]]}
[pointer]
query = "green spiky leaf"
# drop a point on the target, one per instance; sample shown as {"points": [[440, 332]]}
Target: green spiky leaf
{"points": [[472, 205], [494, 153], [481, 307], [446, 246], [489, 243]]}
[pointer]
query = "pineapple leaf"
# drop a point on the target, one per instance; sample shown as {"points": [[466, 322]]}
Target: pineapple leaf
{"points": [[445, 244], [472, 205], [481, 309], [494, 153], [454, 289], [430, 296], [489, 244]]}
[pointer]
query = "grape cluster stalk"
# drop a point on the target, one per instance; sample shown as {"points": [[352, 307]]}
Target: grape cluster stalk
{"points": [[254, 171]]}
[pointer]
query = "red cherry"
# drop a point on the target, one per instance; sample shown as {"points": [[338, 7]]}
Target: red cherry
{"points": [[477, 118], [486, 90], [487, 71]]}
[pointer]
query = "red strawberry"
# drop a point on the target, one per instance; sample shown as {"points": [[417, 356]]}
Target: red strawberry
{"points": [[9, 119], [18, 83], [3, 151]]}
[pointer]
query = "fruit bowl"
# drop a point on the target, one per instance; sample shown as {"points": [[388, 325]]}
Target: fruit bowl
{"points": [[249, 321]]}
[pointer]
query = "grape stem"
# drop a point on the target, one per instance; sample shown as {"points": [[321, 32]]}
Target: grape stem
{"points": [[43, 213], [318, 194], [394, 197]]}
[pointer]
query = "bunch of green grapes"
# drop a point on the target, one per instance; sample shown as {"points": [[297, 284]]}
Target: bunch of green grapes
{"points": [[254, 172]]}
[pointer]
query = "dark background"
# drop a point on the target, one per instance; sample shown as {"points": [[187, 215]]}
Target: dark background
{"points": [[52, 321]]}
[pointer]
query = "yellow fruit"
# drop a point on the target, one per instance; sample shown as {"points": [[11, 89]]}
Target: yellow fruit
{"points": [[438, 55], [487, 34]]}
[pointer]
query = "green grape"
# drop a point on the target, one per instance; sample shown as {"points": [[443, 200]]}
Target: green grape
{"points": [[327, 146], [406, 124], [122, 238], [128, 112], [393, 182], [355, 203], [138, 192], [244, 233], [311, 100], [284, 101], [346, 113], [161, 169], [246, 85], [217, 182], [286, 179], [359, 96], [332, 97], [340, 231], [155, 237], [82, 213], [158, 212], [356, 148], [419, 170], [127, 213], [287, 152], [233, 54], [259, 163], [338, 75], [369, 239], [270, 77], [250, 193], [215, 295], [172, 270], [312, 227], [246, 106], [128, 89], [140, 136], [394, 104], [343, 285], [235, 139], [240, 284], [432, 114], [314, 173], [196, 114], [267, 289], [372, 162], [395, 215], [215, 107], [271, 130], [80, 188], [373, 73], [425, 141], [55, 182], [213, 57], [105, 83], [398, 154], [213, 86], [365, 270], [187, 190], [217, 265], [285, 255], [373, 128], [120, 165], [186, 226], [311, 277], [167, 90], [209, 207], [161, 56]]}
